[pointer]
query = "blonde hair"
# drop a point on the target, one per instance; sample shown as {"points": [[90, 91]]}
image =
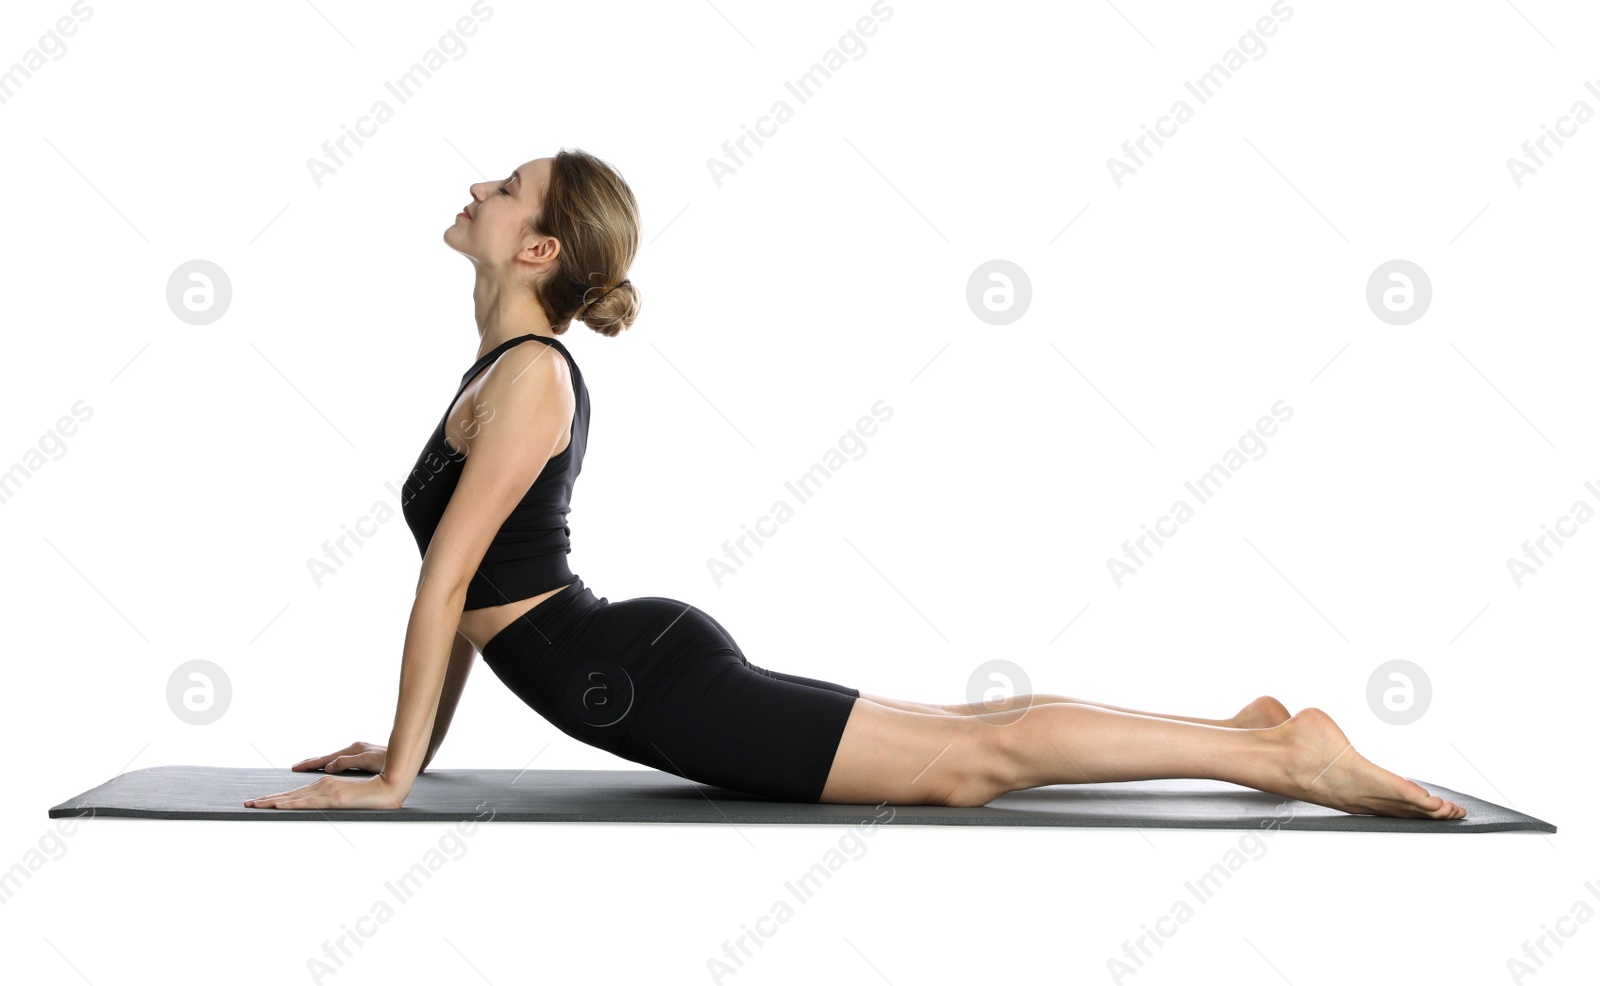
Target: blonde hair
{"points": [[592, 212]]}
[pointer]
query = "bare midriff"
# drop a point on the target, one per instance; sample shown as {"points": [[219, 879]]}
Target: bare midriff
{"points": [[481, 625]]}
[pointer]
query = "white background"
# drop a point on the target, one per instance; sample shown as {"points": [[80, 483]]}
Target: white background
{"points": [[829, 272]]}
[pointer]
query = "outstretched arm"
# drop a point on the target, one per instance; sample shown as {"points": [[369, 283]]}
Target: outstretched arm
{"points": [[523, 411], [430, 640]]}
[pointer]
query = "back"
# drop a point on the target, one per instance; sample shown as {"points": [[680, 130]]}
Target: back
{"points": [[529, 553]]}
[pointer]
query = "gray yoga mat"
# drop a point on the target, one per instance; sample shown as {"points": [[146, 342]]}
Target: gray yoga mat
{"points": [[218, 793]]}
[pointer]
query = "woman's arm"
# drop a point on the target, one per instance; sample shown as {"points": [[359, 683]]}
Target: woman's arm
{"points": [[527, 403], [429, 634], [523, 411], [462, 656]]}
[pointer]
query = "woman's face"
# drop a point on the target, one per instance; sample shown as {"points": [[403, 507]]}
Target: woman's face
{"points": [[492, 229]]}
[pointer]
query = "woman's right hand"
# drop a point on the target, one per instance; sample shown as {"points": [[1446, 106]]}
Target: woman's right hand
{"points": [[369, 757]]}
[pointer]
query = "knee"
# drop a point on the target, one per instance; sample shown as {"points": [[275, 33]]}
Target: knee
{"points": [[988, 766]]}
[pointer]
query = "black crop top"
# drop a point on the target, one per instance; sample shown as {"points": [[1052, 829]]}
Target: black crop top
{"points": [[529, 553]]}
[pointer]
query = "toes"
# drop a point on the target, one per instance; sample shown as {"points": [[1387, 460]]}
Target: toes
{"points": [[1416, 793], [1414, 799], [1447, 810]]}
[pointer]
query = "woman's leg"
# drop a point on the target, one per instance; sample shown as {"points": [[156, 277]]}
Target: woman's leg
{"points": [[1262, 713], [899, 757]]}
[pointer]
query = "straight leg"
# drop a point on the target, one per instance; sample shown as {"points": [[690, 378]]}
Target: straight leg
{"points": [[1261, 713], [894, 756], [1307, 758]]}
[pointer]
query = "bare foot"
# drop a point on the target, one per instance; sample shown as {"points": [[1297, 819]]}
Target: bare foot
{"points": [[1264, 713], [1326, 770]]}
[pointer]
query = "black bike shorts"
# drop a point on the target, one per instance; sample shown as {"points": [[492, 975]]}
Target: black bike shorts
{"points": [[661, 683]]}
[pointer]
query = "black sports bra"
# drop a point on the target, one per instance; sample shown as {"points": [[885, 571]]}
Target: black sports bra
{"points": [[529, 553]]}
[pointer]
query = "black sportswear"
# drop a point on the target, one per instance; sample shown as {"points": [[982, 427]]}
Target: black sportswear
{"points": [[662, 683], [529, 553], [651, 679]]}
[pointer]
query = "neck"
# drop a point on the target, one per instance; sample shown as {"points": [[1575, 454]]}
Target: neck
{"points": [[505, 312]]}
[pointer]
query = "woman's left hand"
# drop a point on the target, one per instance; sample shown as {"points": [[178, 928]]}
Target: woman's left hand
{"points": [[334, 792]]}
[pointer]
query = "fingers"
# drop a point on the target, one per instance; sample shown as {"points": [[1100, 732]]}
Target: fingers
{"points": [[333, 763], [351, 757], [364, 762], [276, 801], [310, 796], [272, 800], [288, 802]]}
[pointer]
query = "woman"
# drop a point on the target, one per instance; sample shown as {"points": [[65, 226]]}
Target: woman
{"points": [[660, 682]]}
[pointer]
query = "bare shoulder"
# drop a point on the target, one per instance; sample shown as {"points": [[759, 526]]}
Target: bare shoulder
{"points": [[532, 383]]}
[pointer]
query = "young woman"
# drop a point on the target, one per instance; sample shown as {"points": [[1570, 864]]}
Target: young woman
{"points": [[660, 682]]}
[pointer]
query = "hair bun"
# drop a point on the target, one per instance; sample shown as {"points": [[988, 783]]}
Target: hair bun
{"points": [[592, 213], [613, 309]]}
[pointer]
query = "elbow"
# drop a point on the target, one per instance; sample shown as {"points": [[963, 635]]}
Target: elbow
{"points": [[447, 589]]}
